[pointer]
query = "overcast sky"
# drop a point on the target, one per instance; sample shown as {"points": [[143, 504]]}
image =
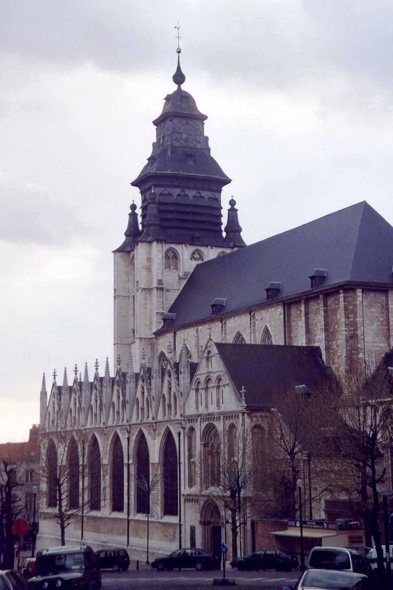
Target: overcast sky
{"points": [[299, 100]]}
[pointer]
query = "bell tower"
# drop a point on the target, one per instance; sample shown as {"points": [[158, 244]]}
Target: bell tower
{"points": [[180, 188]]}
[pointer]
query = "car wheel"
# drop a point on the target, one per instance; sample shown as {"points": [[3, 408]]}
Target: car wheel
{"points": [[160, 567], [199, 566], [241, 567], [115, 567]]}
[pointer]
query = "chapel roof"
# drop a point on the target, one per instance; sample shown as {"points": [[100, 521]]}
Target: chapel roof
{"points": [[353, 245], [266, 371]]}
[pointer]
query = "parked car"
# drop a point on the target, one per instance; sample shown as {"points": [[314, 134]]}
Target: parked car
{"points": [[338, 558], [12, 580], [331, 580], [266, 559], [187, 558], [66, 567], [27, 567], [116, 559]]}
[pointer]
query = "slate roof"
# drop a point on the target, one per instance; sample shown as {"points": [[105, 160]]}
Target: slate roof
{"points": [[353, 245], [266, 371]]}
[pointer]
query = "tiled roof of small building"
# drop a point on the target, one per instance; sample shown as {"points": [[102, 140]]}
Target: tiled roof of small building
{"points": [[266, 371]]}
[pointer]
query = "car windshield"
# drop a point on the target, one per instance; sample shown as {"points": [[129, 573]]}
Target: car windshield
{"points": [[55, 564], [332, 580]]}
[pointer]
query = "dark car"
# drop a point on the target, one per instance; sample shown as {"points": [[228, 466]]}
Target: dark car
{"points": [[187, 558], [12, 580], [116, 559], [66, 567], [331, 580], [266, 559], [339, 558]]}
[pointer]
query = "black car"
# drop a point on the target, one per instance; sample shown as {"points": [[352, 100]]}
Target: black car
{"points": [[266, 559], [187, 558], [116, 559], [66, 567]]}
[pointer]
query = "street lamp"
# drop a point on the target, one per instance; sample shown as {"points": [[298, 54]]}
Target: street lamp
{"points": [[35, 490], [299, 485]]}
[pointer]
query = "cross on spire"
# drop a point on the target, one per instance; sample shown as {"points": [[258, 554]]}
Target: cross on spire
{"points": [[178, 50], [243, 391]]}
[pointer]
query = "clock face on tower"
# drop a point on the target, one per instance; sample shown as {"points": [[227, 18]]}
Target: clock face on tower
{"points": [[187, 135]]}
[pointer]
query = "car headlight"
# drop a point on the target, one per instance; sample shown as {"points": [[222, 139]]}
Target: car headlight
{"points": [[58, 583], [45, 585]]}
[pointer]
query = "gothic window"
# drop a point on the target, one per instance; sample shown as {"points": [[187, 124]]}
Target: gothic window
{"points": [[174, 404], [257, 437], [137, 408], [163, 404], [212, 453], [239, 339], [52, 467], [266, 336], [170, 476], [171, 259], [219, 393], [142, 476], [147, 408], [191, 457], [169, 394], [197, 255], [208, 389], [232, 442], [117, 476], [94, 466], [208, 360], [73, 474], [113, 412], [197, 390]]}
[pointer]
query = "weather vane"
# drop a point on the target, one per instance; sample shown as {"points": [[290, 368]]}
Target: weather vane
{"points": [[178, 50]]}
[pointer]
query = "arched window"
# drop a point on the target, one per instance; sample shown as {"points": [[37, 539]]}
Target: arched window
{"points": [[52, 468], [94, 465], [208, 360], [137, 408], [197, 390], [208, 392], [142, 475], [258, 437], [163, 405], [117, 476], [174, 404], [191, 444], [169, 394], [197, 256], [266, 336], [73, 474], [113, 412], [212, 452], [239, 339], [170, 476], [220, 393], [171, 259]]}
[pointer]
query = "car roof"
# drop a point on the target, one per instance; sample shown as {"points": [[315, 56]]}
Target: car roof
{"points": [[344, 573], [65, 549]]}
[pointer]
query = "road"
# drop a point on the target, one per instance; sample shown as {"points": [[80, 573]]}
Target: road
{"points": [[191, 579]]}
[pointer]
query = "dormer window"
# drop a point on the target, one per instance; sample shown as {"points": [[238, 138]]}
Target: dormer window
{"points": [[273, 290], [317, 277], [218, 305], [168, 319]]}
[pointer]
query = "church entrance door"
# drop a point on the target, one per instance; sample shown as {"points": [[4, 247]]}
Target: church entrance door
{"points": [[211, 527]]}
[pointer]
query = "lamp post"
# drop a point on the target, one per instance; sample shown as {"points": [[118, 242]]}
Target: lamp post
{"points": [[299, 485], [35, 490]]}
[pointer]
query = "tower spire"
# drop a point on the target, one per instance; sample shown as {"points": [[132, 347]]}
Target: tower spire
{"points": [[132, 232], [233, 230], [178, 77]]}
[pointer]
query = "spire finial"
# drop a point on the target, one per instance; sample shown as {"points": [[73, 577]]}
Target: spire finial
{"points": [[43, 387], [76, 370], [54, 374], [178, 77], [96, 365]]}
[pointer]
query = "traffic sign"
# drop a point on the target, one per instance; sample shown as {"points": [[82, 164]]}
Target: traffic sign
{"points": [[20, 527], [223, 548]]}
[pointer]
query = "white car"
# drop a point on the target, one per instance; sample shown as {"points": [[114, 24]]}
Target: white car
{"points": [[331, 580], [12, 580]]}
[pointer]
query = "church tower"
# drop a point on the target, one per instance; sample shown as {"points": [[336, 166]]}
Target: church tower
{"points": [[180, 188]]}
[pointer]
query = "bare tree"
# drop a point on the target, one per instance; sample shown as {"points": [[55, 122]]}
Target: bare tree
{"points": [[146, 486], [362, 429], [10, 508], [63, 470]]}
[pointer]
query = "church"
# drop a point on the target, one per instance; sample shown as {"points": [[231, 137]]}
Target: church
{"points": [[206, 329]]}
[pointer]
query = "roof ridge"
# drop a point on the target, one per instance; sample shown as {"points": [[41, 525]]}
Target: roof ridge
{"points": [[358, 235]]}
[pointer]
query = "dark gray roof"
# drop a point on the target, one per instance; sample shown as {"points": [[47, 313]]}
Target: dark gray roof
{"points": [[267, 371], [353, 245]]}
